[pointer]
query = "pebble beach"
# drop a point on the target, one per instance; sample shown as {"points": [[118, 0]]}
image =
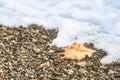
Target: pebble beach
{"points": [[26, 54]]}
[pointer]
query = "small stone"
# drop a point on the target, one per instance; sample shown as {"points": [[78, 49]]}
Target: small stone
{"points": [[102, 74], [92, 79], [37, 50], [81, 63], [43, 61], [1, 71], [26, 75], [42, 65], [45, 58], [57, 69], [21, 78], [44, 36], [32, 76], [34, 55], [11, 79], [20, 37], [82, 71], [51, 51], [111, 72], [84, 79], [70, 71], [39, 56], [48, 63], [51, 56], [12, 74], [41, 76], [56, 73]]}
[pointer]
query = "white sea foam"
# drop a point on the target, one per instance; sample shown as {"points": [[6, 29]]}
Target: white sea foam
{"points": [[96, 21]]}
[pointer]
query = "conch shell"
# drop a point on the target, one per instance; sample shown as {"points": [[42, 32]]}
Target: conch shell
{"points": [[77, 51]]}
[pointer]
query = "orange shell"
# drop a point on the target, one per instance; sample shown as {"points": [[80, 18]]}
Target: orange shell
{"points": [[77, 51]]}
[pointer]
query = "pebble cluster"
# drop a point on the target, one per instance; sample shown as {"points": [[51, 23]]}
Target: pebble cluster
{"points": [[26, 54]]}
